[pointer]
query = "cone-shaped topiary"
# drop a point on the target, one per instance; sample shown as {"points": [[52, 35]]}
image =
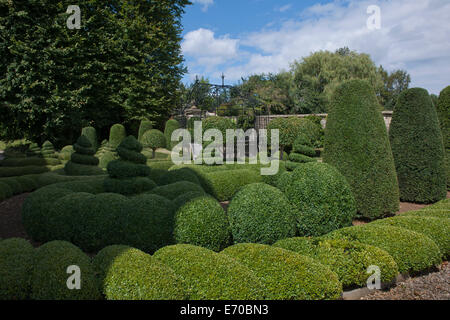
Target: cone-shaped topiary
{"points": [[417, 147], [48, 151], [357, 144], [116, 135], [443, 109], [171, 126], [129, 175], [143, 128], [154, 139], [91, 134], [34, 150], [83, 162], [302, 150]]}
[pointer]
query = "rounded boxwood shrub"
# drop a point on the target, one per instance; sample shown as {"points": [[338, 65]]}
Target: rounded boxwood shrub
{"points": [[154, 139], [348, 259], [413, 252], [16, 265], [91, 134], [321, 197], [129, 274], [171, 126], [27, 183], [33, 161], [202, 222], [5, 191], [172, 191], [117, 134], [357, 144], [208, 275], [436, 213], [183, 174], [436, 229], [181, 200], [286, 274], [223, 185], [49, 277], [15, 185], [83, 162], [416, 141], [260, 213]]}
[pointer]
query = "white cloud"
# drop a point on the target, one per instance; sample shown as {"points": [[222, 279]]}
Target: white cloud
{"points": [[413, 36], [204, 3], [284, 8]]}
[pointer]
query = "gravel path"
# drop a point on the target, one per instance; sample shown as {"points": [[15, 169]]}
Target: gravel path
{"points": [[434, 286]]}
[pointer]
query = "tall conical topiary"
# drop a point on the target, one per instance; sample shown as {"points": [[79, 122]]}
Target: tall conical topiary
{"points": [[143, 128], [171, 126], [416, 141], [443, 109], [357, 144], [117, 134], [83, 162], [91, 134], [129, 175]]}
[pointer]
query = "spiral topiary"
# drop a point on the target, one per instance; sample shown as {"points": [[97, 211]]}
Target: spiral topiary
{"points": [[48, 151], [129, 175], [83, 162], [302, 150], [260, 213]]}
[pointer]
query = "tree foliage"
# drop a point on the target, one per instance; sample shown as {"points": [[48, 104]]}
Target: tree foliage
{"points": [[124, 64]]}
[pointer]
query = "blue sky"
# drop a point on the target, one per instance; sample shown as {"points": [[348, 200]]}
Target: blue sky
{"points": [[243, 37]]}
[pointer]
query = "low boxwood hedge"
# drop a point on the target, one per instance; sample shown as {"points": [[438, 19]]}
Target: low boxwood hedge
{"points": [[443, 204], [20, 171], [208, 275], [49, 276], [129, 186], [436, 229], [183, 174], [33, 161], [260, 213], [413, 252], [436, 213], [202, 222], [321, 196], [16, 265], [171, 191], [348, 259], [286, 274], [126, 273], [5, 191]]}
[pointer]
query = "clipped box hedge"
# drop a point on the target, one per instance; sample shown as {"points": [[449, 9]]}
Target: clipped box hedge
{"points": [[172, 191], [126, 273], [434, 213], [413, 252], [33, 161], [208, 275], [348, 259], [286, 274]]}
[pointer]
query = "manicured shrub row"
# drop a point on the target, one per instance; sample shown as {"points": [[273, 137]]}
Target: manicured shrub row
{"points": [[126, 273], [321, 197], [211, 276], [260, 213], [443, 204], [413, 252], [285, 274], [181, 200], [436, 213], [418, 150], [183, 174], [202, 222], [174, 190], [436, 229], [20, 171], [348, 259], [34, 161], [83, 162], [129, 175], [357, 144]]}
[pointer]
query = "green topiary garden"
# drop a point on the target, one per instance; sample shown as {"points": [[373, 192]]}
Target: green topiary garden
{"points": [[82, 161]]}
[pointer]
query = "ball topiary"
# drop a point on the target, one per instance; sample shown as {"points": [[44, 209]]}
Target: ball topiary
{"points": [[129, 175], [16, 265], [116, 135], [83, 162], [416, 142], [443, 111], [154, 139], [412, 251], [357, 144], [130, 274], [173, 190], [260, 213], [171, 126], [91, 134], [202, 222], [211, 276], [48, 151], [321, 197], [50, 273], [350, 260], [434, 228], [287, 275]]}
